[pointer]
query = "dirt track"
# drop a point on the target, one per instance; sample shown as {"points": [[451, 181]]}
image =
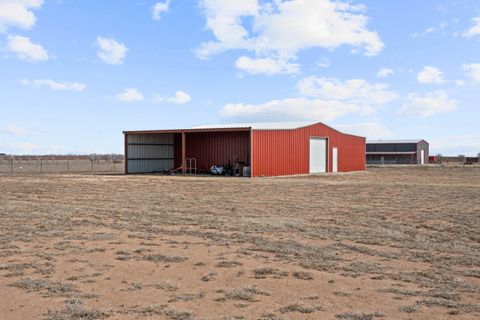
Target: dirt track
{"points": [[392, 243]]}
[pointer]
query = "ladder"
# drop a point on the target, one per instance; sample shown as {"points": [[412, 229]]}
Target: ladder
{"points": [[191, 166]]}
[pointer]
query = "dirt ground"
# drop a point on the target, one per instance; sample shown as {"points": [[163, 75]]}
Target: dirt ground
{"points": [[390, 243]]}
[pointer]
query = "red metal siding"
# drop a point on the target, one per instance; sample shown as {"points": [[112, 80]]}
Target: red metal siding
{"points": [[210, 148], [286, 152]]}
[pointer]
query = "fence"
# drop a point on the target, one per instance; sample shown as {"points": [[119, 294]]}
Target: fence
{"points": [[14, 165]]}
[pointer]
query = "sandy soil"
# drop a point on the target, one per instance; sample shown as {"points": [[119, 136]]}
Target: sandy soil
{"points": [[391, 243]]}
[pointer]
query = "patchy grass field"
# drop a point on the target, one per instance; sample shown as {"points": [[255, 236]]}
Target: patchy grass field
{"points": [[392, 243], [60, 166]]}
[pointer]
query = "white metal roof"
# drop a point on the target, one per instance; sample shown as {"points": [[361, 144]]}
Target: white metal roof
{"points": [[259, 125], [394, 141]]}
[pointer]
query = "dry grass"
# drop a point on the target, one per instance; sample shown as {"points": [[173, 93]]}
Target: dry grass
{"points": [[245, 294], [74, 310], [390, 243]]}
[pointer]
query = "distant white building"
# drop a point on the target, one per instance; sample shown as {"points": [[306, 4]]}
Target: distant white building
{"points": [[397, 152]]}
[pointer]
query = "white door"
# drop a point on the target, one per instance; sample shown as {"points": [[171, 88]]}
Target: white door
{"points": [[318, 155], [335, 160], [422, 156]]}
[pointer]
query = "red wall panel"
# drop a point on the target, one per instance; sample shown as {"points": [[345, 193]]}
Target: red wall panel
{"points": [[286, 152], [218, 148]]}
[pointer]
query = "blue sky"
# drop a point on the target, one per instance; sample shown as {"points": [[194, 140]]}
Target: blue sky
{"points": [[74, 74]]}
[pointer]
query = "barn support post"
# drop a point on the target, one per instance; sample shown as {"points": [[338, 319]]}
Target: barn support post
{"points": [[184, 151]]}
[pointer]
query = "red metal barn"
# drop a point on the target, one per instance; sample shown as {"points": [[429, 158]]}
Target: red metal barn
{"points": [[268, 149]]}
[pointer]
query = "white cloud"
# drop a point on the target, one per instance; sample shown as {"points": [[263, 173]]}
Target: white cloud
{"points": [[371, 130], [179, 98], [19, 148], [453, 145], [267, 66], [474, 30], [323, 63], [460, 83], [429, 104], [159, 8], [280, 29], [289, 110], [24, 49], [385, 72], [328, 99], [18, 13], [440, 27], [110, 51], [130, 95], [354, 91], [473, 71], [430, 75], [15, 130], [54, 85]]}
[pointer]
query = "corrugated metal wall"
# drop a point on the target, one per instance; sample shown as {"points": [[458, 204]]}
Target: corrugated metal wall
{"points": [[423, 145], [150, 152], [218, 148], [286, 152]]}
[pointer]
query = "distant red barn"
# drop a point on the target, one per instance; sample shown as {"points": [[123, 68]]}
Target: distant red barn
{"points": [[266, 149]]}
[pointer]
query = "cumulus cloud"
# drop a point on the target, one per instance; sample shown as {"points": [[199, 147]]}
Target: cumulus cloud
{"points": [[130, 95], [180, 97], [54, 85], [25, 49], [371, 130], [324, 99], [110, 51], [457, 144], [384, 72], [18, 13], [429, 30], [280, 29], [19, 148], [15, 130], [474, 31], [429, 104], [473, 71], [354, 91], [267, 66], [294, 109], [430, 75], [323, 63], [159, 8]]}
